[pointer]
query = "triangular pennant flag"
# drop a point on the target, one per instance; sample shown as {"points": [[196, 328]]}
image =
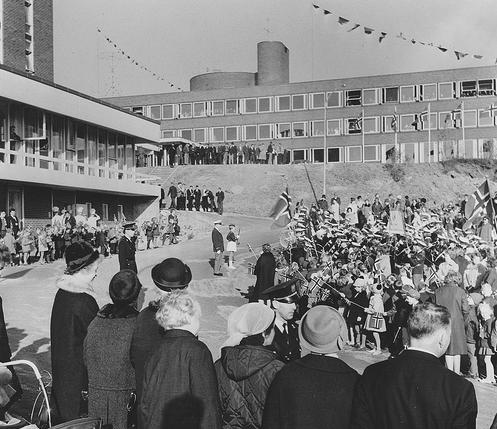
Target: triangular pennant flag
{"points": [[315, 6], [413, 41], [342, 21], [422, 43], [383, 35], [354, 27], [327, 12], [98, 29], [442, 49], [478, 57], [458, 54], [368, 30]]}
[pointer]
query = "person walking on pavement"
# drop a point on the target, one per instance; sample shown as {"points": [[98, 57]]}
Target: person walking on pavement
{"points": [[220, 201], [173, 193], [127, 249], [217, 247]]}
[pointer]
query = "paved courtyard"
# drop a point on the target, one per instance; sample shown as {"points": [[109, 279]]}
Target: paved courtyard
{"points": [[28, 293]]}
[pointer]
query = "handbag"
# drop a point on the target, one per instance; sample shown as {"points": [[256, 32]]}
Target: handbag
{"points": [[375, 321]]}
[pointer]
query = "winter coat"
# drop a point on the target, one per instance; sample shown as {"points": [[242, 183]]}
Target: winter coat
{"points": [[73, 309], [265, 268], [454, 298], [179, 385], [312, 392], [244, 374], [111, 378]]}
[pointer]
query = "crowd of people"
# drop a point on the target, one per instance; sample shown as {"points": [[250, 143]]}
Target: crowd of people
{"points": [[264, 153], [183, 197]]}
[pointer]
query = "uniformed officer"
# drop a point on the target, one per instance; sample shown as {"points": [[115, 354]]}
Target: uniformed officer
{"points": [[127, 248], [283, 298]]}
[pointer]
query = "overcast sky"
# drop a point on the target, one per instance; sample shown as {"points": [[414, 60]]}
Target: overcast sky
{"points": [[180, 38]]}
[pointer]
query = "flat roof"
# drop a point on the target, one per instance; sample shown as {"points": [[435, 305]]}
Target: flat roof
{"points": [[58, 99]]}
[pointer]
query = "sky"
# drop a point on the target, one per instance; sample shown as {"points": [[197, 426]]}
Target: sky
{"points": [[178, 39]]}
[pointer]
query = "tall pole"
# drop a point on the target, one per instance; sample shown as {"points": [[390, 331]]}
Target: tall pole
{"points": [[462, 123], [396, 140], [362, 132], [429, 131], [325, 154]]}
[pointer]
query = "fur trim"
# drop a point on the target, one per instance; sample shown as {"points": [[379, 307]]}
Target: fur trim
{"points": [[72, 283]]}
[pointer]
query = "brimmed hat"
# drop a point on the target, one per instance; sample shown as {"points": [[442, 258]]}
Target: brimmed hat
{"points": [[321, 330], [171, 273], [124, 287], [218, 222], [79, 255], [249, 319], [129, 225]]}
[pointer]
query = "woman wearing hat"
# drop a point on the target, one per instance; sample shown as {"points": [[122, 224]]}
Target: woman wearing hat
{"points": [[73, 309], [247, 366], [111, 378]]}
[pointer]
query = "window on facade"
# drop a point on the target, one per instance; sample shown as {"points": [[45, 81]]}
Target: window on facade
{"points": [[429, 122], [283, 103], [58, 128], [485, 119], [168, 111], [105, 211], [102, 151], [120, 152], [354, 154], [353, 97], [199, 109], [334, 127], [217, 108], [265, 132], [391, 95], [334, 154], [407, 94], [112, 154], [92, 150], [186, 134], [138, 110], [371, 153], [445, 120], [354, 126], [231, 134], [155, 112], [406, 122], [371, 125], [34, 124], [470, 118], [387, 123], [217, 134], [185, 110], [298, 102], [300, 129], [231, 107], [318, 155], [168, 134], [265, 105], [251, 105], [369, 96], [334, 99], [284, 130], [468, 88], [428, 91], [317, 128], [317, 100], [250, 132], [199, 135], [298, 155], [446, 90], [81, 146], [486, 87]]}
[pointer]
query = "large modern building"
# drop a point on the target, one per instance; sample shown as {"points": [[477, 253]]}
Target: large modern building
{"points": [[59, 147], [438, 115]]}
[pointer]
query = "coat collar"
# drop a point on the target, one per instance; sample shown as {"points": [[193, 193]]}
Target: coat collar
{"points": [[418, 354], [176, 333], [323, 363]]}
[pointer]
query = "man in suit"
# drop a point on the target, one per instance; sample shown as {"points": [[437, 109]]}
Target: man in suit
{"points": [[265, 269], [220, 201], [13, 223], [127, 249], [173, 193], [415, 390], [283, 299], [197, 193], [217, 247]]}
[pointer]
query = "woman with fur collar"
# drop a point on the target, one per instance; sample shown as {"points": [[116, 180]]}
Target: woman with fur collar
{"points": [[73, 309]]}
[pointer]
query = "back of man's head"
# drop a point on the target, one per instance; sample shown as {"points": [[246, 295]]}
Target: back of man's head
{"points": [[428, 327]]}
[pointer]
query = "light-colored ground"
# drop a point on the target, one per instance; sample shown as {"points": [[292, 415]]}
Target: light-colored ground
{"points": [[28, 293]]}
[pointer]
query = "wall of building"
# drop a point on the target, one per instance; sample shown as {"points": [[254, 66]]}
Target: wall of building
{"points": [[13, 34], [273, 64], [220, 80], [43, 39]]}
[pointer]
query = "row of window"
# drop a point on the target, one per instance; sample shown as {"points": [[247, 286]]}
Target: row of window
{"points": [[336, 127], [297, 102]]}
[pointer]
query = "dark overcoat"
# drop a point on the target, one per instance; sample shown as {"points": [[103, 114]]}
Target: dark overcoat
{"points": [[180, 386], [413, 391], [71, 314], [127, 252], [217, 241], [286, 344], [312, 392], [265, 268]]}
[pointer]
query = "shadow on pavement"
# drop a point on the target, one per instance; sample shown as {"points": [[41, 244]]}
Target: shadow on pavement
{"points": [[17, 274]]}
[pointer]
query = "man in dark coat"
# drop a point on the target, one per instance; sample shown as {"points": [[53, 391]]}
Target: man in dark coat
{"points": [[173, 193], [197, 193], [265, 269], [415, 390], [315, 391], [127, 249], [169, 275], [220, 201], [217, 247], [13, 222], [73, 309], [283, 298]]}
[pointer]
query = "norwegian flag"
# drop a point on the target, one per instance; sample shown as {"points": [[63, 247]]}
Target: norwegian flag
{"points": [[281, 212], [479, 205], [492, 109], [419, 121], [454, 115], [395, 123], [356, 123]]}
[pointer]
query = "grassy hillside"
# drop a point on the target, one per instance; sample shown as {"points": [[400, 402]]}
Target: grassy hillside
{"points": [[253, 189]]}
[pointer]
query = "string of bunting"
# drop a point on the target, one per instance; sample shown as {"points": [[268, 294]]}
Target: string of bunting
{"points": [[135, 62], [382, 35]]}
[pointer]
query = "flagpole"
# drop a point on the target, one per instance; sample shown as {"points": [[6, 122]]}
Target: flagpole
{"points": [[429, 131], [462, 124], [325, 155], [396, 140], [362, 132]]}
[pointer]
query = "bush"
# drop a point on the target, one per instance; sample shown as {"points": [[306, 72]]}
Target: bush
{"points": [[396, 171]]}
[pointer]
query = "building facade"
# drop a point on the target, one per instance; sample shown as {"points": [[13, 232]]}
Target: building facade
{"points": [[427, 116]]}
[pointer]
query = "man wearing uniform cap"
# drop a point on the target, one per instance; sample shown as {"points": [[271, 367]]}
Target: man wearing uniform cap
{"points": [[171, 274], [127, 249], [283, 298], [217, 247]]}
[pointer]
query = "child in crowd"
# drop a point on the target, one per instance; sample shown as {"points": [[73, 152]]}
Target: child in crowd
{"points": [[375, 322], [485, 348], [356, 314], [231, 247], [27, 245], [472, 328], [10, 242], [42, 245]]}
